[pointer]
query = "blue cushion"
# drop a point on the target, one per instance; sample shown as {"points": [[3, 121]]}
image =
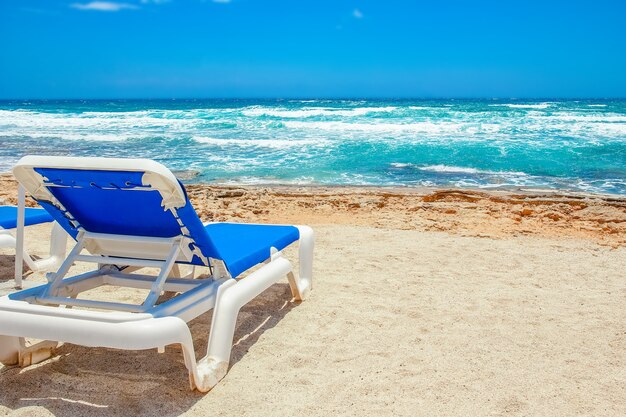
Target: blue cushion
{"points": [[117, 202], [241, 246], [8, 217], [100, 202]]}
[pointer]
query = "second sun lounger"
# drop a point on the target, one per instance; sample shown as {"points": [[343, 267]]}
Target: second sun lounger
{"points": [[17, 218]]}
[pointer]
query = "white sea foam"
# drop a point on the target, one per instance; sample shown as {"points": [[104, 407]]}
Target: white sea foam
{"points": [[314, 111], [97, 137], [251, 180], [523, 106], [608, 185], [596, 105], [611, 130], [450, 169], [589, 118], [88, 120], [426, 127], [260, 143], [611, 126], [101, 126]]}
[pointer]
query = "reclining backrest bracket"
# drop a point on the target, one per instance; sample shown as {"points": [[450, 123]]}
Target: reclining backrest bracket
{"points": [[165, 265]]}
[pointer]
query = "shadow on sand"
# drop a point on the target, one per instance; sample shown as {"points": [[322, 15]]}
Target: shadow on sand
{"points": [[96, 381]]}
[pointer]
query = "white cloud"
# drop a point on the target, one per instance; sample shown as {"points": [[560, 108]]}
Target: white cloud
{"points": [[357, 14], [221, 1], [103, 6]]}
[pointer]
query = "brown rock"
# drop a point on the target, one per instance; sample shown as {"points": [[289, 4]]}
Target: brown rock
{"points": [[231, 193]]}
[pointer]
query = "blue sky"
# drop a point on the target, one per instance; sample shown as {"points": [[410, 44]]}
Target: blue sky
{"points": [[321, 48]]}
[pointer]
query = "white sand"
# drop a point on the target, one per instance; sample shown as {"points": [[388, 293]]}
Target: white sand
{"points": [[399, 323]]}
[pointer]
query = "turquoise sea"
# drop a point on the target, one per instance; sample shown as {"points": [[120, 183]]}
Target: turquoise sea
{"points": [[575, 145]]}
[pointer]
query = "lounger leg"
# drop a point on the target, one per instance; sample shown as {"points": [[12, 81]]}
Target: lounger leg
{"points": [[21, 255], [14, 351], [6, 239], [231, 296], [58, 248], [10, 349], [301, 285]]}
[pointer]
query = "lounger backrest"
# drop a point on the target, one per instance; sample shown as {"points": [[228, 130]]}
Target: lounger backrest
{"points": [[131, 197]]}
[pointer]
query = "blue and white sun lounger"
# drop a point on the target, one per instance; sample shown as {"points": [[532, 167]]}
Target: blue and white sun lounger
{"points": [[129, 214], [12, 217]]}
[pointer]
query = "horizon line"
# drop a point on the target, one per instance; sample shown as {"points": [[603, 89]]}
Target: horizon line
{"points": [[306, 98]]}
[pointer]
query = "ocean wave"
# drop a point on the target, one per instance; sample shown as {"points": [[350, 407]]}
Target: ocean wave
{"points": [[608, 185], [453, 169], [592, 127], [450, 169], [569, 146], [87, 136], [468, 177], [314, 111], [523, 106], [260, 143], [587, 118], [265, 180], [103, 126], [418, 127], [89, 120]]}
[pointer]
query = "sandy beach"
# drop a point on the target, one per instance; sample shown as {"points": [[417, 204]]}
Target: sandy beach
{"points": [[462, 166], [425, 302]]}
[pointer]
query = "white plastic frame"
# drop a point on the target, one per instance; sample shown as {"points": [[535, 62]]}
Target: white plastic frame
{"points": [[42, 312]]}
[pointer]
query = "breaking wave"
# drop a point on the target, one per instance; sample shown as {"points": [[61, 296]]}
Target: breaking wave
{"points": [[314, 111], [539, 106], [573, 145]]}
